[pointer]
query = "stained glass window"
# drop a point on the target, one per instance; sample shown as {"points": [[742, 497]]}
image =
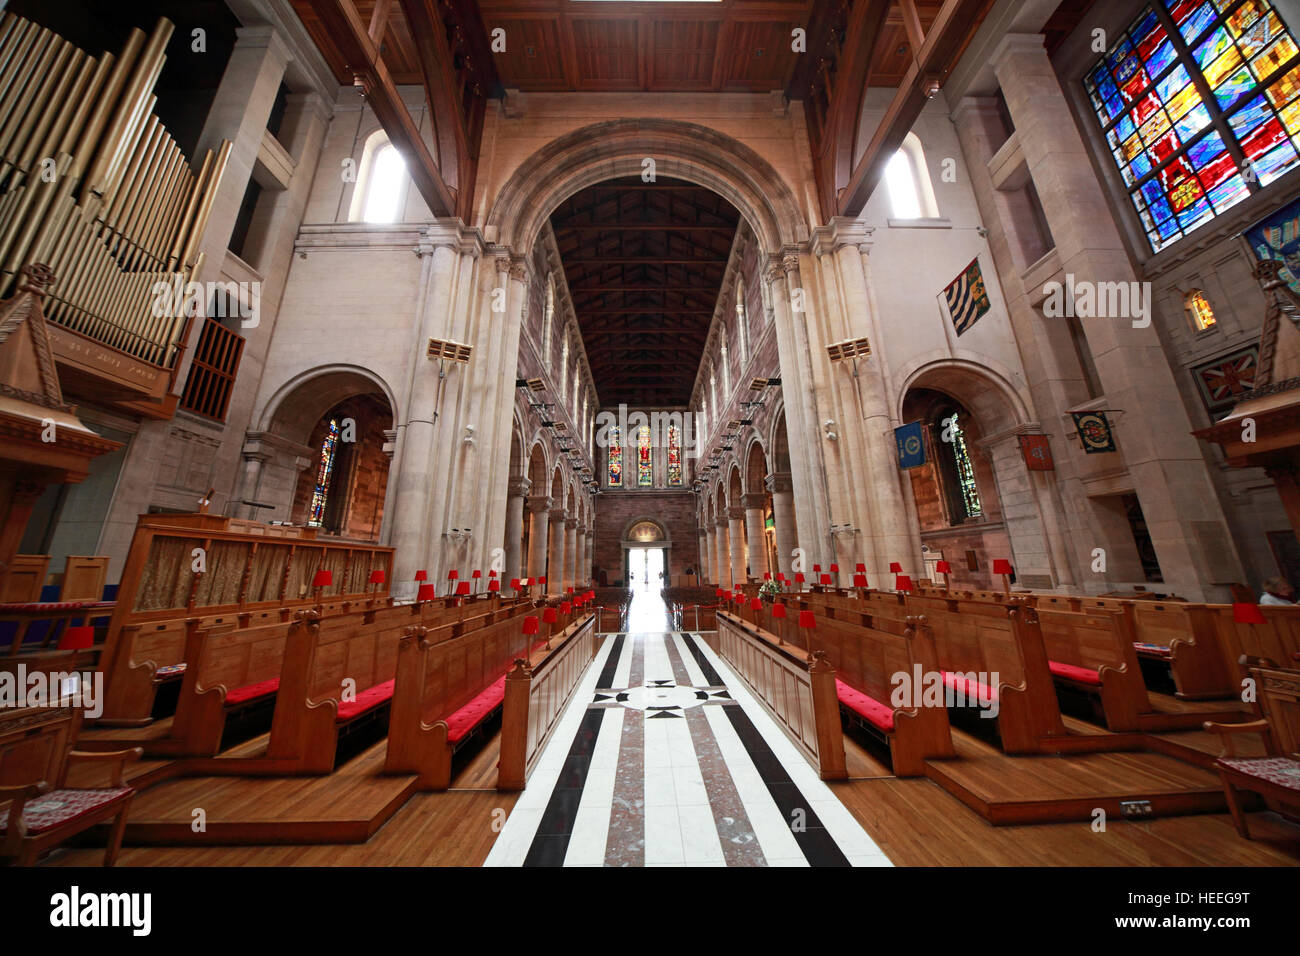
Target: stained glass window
{"points": [[1176, 151], [1199, 311], [644, 458], [614, 459], [970, 495], [324, 474], [674, 456]]}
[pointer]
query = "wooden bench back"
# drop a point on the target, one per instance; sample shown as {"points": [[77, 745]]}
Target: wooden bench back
{"points": [[24, 578], [1279, 697], [83, 578], [1093, 638], [867, 658], [34, 746], [1277, 640]]}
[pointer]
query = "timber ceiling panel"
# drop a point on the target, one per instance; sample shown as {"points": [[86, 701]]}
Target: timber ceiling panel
{"points": [[644, 263]]}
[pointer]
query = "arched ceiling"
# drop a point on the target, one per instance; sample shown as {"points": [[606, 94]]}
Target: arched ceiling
{"points": [[644, 262]]}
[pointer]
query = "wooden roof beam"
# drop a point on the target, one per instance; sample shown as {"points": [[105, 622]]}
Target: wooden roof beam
{"points": [[351, 37], [932, 62]]}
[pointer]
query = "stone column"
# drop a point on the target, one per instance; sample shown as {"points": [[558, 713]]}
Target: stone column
{"points": [[754, 504], [721, 550], [514, 544], [702, 564], [570, 554], [736, 519], [555, 567], [1164, 462], [588, 550], [787, 532], [538, 509]]}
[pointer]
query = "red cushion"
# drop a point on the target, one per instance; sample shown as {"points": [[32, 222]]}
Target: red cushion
{"points": [[970, 689], [58, 807], [1083, 675], [368, 699], [868, 708], [476, 711], [1153, 650], [264, 688], [1282, 771]]}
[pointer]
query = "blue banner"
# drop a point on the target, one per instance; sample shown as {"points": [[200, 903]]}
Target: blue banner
{"points": [[911, 448]]}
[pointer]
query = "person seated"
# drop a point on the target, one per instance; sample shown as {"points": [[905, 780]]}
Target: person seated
{"points": [[1278, 592]]}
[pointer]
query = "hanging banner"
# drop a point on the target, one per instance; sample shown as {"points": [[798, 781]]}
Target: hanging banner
{"points": [[911, 448], [1094, 432], [1038, 454], [966, 297]]}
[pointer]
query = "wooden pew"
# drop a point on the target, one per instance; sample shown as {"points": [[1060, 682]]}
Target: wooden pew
{"points": [[535, 698], [1093, 652], [870, 664], [83, 578], [1186, 637], [209, 566], [446, 687], [1276, 640], [24, 578]]}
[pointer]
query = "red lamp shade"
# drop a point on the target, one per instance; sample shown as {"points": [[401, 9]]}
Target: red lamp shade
{"points": [[453, 574], [835, 569], [826, 579], [514, 584], [807, 619], [778, 610], [494, 585], [376, 576], [541, 580], [943, 567], [719, 592], [76, 638], [569, 590], [859, 580], [895, 567], [566, 608], [549, 615], [798, 577], [902, 583], [322, 578], [817, 568], [767, 575], [756, 604], [492, 573], [1001, 566], [780, 576], [530, 624], [425, 593], [421, 575], [1245, 613], [591, 595], [476, 573], [462, 588], [861, 568], [529, 582]]}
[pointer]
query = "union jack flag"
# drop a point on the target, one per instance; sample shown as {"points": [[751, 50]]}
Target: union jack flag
{"points": [[1225, 380]]}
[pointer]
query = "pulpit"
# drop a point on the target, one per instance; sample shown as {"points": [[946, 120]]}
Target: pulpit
{"points": [[42, 442]]}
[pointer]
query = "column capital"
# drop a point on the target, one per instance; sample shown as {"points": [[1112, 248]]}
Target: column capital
{"points": [[263, 36], [722, 524], [311, 102], [779, 482], [539, 504], [571, 523], [518, 487], [969, 106], [558, 514], [736, 513], [841, 231], [754, 501]]}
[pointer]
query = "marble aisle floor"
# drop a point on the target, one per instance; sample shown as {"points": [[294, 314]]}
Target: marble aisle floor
{"points": [[663, 758]]}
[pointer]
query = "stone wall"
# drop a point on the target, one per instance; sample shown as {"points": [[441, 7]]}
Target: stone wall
{"points": [[674, 510]]}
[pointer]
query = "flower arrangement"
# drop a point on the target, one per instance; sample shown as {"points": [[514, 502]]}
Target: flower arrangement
{"points": [[769, 590]]}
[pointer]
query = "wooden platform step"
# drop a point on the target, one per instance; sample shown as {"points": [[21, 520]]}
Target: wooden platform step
{"points": [[347, 806], [1070, 787]]}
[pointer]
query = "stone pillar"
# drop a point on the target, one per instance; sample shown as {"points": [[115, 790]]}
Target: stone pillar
{"points": [[787, 532], [555, 567], [711, 553], [721, 551], [1164, 462], [538, 509], [570, 554], [702, 565], [514, 544], [588, 549], [754, 504], [736, 519]]}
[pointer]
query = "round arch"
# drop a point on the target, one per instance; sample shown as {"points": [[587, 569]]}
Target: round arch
{"points": [[687, 151], [296, 406], [986, 393]]}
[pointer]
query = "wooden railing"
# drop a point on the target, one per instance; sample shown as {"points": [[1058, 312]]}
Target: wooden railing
{"points": [[799, 694], [534, 701], [213, 371]]}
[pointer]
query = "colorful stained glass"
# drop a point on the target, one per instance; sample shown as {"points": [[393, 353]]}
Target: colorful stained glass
{"points": [[644, 458], [970, 496], [324, 474], [614, 459], [1179, 175], [674, 456]]}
